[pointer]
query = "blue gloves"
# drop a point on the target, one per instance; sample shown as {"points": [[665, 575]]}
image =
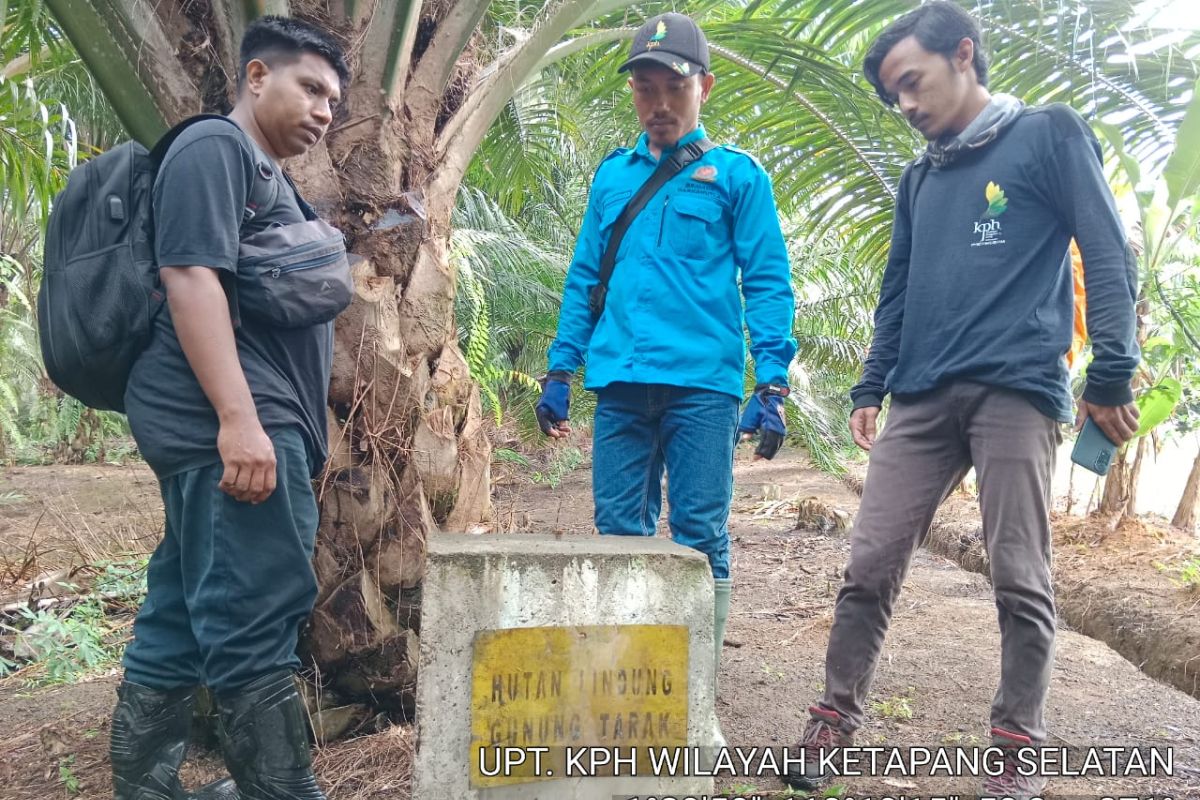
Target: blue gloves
{"points": [[553, 406], [765, 414]]}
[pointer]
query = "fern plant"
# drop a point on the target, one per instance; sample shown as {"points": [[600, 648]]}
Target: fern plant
{"points": [[478, 342], [510, 281]]}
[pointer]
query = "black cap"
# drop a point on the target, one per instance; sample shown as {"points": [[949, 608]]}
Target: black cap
{"points": [[672, 40]]}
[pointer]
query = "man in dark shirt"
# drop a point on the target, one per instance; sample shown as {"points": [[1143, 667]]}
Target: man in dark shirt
{"points": [[228, 408], [973, 323]]}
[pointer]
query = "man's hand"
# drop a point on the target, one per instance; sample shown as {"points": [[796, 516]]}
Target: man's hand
{"points": [[200, 312], [1119, 423], [553, 407], [765, 415], [862, 426], [249, 459]]}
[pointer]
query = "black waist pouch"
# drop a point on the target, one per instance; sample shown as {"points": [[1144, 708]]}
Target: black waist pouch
{"points": [[294, 276]]}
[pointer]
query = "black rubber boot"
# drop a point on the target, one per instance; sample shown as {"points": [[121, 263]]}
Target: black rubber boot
{"points": [[264, 733], [149, 741], [224, 789]]}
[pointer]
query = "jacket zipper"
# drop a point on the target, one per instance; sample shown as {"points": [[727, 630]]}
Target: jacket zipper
{"points": [[663, 219]]}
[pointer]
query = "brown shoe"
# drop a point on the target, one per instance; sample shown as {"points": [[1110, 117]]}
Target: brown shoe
{"points": [[1011, 782], [825, 731]]}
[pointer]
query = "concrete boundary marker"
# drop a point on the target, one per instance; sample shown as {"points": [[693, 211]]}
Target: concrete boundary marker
{"points": [[477, 587]]}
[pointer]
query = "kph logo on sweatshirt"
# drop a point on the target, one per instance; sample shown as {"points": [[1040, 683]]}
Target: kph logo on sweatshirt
{"points": [[987, 228]]}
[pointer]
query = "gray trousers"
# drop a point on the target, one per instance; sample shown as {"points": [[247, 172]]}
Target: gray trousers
{"points": [[926, 448]]}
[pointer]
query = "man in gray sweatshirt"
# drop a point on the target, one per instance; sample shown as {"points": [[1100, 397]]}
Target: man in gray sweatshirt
{"points": [[973, 323]]}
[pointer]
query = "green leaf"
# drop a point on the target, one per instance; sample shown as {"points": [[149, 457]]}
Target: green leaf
{"points": [[1183, 167], [1159, 343], [1112, 134], [1157, 403]]}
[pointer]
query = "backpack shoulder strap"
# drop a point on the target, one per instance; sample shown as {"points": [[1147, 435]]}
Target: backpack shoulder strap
{"points": [[306, 209], [667, 168], [159, 151], [263, 190]]}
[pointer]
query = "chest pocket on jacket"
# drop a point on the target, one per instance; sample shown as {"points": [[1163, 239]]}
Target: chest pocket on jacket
{"points": [[612, 209], [690, 225]]}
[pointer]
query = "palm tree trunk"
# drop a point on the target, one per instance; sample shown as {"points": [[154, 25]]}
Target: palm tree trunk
{"points": [[1116, 486], [1185, 514], [1134, 474]]}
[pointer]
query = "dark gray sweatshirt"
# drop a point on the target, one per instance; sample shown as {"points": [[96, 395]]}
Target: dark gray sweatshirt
{"points": [[978, 282]]}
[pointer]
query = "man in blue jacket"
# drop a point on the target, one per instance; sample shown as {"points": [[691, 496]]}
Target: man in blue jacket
{"points": [[971, 331], [666, 356]]}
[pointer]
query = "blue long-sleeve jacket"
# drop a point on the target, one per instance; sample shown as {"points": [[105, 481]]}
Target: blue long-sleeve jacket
{"points": [[674, 314]]}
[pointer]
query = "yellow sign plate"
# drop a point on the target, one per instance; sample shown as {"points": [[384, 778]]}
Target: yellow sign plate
{"points": [[572, 687]]}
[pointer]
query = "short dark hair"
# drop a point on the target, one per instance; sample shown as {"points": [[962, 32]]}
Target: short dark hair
{"points": [[281, 40], [939, 27]]}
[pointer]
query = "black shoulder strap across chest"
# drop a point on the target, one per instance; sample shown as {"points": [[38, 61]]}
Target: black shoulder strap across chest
{"points": [[667, 168], [264, 191]]}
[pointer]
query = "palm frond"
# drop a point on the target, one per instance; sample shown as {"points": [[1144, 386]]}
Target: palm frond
{"points": [[37, 148], [511, 273]]}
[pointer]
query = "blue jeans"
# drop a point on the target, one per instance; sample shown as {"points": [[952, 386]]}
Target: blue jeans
{"points": [[641, 428], [230, 583]]}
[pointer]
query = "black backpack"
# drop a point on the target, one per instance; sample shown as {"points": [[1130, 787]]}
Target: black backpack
{"points": [[100, 290]]}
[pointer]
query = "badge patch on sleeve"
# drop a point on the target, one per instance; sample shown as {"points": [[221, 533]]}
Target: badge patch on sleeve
{"points": [[705, 174]]}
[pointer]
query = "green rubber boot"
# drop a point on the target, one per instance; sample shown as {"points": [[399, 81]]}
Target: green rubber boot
{"points": [[721, 590], [722, 587]]}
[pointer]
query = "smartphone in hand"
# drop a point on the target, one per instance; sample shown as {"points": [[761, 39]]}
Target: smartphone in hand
{"points": [[1093, 450]]}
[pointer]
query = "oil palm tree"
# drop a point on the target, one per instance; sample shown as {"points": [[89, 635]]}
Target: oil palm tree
{"points": [[435, 82]]}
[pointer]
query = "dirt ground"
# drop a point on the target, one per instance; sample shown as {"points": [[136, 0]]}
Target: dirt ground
{"points": [[933, 686], [64, 516]]}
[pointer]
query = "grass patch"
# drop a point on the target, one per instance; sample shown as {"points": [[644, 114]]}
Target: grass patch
{"points": [[897, 708], [1184, 573], [564, 461], [66, 774]]}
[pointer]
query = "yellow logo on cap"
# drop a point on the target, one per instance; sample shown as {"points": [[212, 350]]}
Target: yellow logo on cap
{"points": [[659, 35]]}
